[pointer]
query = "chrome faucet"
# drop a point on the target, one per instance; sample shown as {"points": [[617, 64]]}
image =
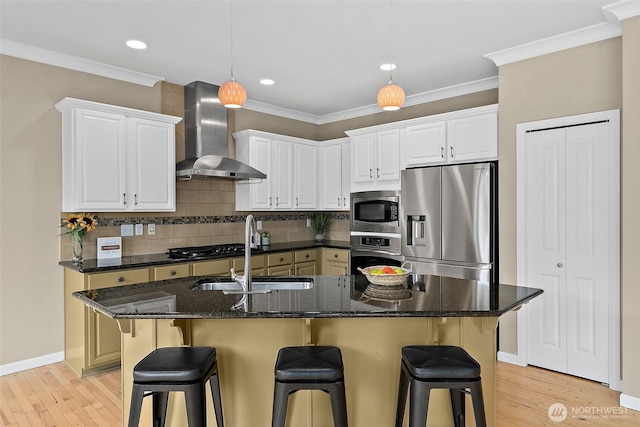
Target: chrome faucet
{"points": [[245, 280]]}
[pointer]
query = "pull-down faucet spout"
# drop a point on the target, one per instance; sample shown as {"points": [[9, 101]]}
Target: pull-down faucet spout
{"points": [[245, 280]]}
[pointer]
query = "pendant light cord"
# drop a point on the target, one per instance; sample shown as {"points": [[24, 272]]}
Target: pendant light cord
{"points": [[231, 36]]}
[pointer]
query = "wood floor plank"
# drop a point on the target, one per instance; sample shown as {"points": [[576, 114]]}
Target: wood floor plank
{"points": [[53, 396]]}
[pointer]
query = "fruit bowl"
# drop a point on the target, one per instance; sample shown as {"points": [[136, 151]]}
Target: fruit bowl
{"points": [[398, 277]]}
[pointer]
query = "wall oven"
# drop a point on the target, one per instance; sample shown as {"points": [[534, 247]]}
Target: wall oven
{"points": [[375, 211]]}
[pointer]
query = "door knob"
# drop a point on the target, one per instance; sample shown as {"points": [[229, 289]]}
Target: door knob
{"points": [[559, 265]]}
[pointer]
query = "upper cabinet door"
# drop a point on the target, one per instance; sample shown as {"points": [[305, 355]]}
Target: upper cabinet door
{"points": [[306, 174], [388, 155], [331, 173], [152, 154], [473, 138], [96, 163], [425, 144], [282, 172], [363, 157], [259, 158]]}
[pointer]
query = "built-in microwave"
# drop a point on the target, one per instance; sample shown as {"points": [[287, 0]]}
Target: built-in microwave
{"points": [[375, 211]]}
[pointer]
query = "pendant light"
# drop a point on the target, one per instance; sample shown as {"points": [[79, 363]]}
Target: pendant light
{"points": [[391, 96], [231, 93]]}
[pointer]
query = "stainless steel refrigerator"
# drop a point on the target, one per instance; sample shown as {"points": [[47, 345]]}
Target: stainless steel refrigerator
{"points": [[449, 222]]}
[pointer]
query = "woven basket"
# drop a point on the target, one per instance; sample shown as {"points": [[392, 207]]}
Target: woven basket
{"points": [[386, 279]]}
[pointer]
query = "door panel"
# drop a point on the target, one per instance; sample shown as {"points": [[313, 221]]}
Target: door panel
{"points": [[587, 251], [545, 237]]}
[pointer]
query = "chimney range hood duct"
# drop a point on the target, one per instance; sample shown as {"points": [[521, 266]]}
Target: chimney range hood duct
{"points": [[206, 145]]}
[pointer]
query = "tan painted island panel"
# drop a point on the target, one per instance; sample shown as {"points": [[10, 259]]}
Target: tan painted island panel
{"points": [[247, 350]]}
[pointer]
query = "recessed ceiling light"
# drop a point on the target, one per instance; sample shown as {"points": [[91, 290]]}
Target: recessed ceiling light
{"points": [[267, 82], [388, 67], [136, 44]]}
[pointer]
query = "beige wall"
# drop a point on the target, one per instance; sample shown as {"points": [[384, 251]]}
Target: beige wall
{"points": [[31, 301], [630, 154]]}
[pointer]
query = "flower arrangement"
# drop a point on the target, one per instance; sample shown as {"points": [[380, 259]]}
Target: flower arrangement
{"points": [[77, 225]]}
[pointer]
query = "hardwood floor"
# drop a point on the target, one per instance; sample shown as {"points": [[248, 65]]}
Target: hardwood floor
{"points": [[53, 396]]}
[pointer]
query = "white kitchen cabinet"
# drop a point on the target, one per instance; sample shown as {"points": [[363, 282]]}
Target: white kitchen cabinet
{"points": [[305, 165], [291, 168], [375, 159], [473, 138], [335, 167], [116, 159], [457, 137]]}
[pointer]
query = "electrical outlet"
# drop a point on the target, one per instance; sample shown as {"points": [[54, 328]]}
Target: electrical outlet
{"points": [[259, 225], [308, 222], [151, 229], [139, 229], [126, 230]]}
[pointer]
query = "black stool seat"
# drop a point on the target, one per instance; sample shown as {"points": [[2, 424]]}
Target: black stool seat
{"points": [[323, 363], [309, 368], [175, 364], [168, 369], [440, 362], [426, 367]]}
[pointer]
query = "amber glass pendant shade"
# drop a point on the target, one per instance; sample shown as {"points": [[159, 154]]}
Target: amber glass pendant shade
{"points": [[232, 94], [390, 97]]}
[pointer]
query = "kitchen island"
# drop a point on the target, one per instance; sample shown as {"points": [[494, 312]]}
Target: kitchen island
{"points": [[335, 310]]}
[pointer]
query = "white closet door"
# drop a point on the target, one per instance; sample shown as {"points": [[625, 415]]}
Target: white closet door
{"points": [[567, 241], [587, 265], [545, 241]]}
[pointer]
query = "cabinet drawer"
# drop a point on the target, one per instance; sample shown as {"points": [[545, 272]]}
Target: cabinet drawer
{"points": [[219, 267], [117, 278], [336, 255], [257, 261], [281, 258], [306, 255], [170, 272]]}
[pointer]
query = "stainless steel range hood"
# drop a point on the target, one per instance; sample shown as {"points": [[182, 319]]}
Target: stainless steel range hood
{"points": [[206, 145]]}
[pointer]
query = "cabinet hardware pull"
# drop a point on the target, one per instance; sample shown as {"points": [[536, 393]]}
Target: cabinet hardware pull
{"points": [[370, 173], [344, 201], [559, 265], [277, 201], [335, 255], [307, 256], [173, 272], [135, 199], [377, 172], [124, 198], [296, 201], [452, 152], [281, 259], [442, 152], [270, 201], [120, 279], [338, 201]]}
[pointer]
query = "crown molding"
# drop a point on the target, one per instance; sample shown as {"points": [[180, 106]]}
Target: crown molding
{"points": [[582, 36], [622, 10], [420, 98], [32, 53], [615, 13]]}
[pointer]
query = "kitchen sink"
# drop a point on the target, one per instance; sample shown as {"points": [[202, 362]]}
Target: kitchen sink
{"points": [[262, 284]]}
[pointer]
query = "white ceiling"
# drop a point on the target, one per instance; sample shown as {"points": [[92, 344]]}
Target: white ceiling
{"points": [[324, 55]]}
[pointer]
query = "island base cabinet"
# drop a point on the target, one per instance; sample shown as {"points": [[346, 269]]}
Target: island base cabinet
{"points": [[247, 350]]}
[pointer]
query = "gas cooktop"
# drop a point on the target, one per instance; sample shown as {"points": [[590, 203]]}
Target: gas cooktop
{"points": [[211, 251]]}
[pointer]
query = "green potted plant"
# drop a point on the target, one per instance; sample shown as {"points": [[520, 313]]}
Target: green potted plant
{"points": [[320, 222]]}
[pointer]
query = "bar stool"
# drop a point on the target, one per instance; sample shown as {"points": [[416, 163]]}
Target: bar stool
{"points": [[309, 368], [185, 369], [445, 367]]}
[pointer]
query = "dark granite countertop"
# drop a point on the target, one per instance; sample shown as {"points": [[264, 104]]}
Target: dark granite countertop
{"points": [[150, 260], [330, 296]]}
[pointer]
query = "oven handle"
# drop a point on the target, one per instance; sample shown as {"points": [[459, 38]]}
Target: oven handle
{"points": [[376, 251]]}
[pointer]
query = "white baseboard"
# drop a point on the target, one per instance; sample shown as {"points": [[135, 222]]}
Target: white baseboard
{"points": [[23, 365], [510, 358], [630, 402]]}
